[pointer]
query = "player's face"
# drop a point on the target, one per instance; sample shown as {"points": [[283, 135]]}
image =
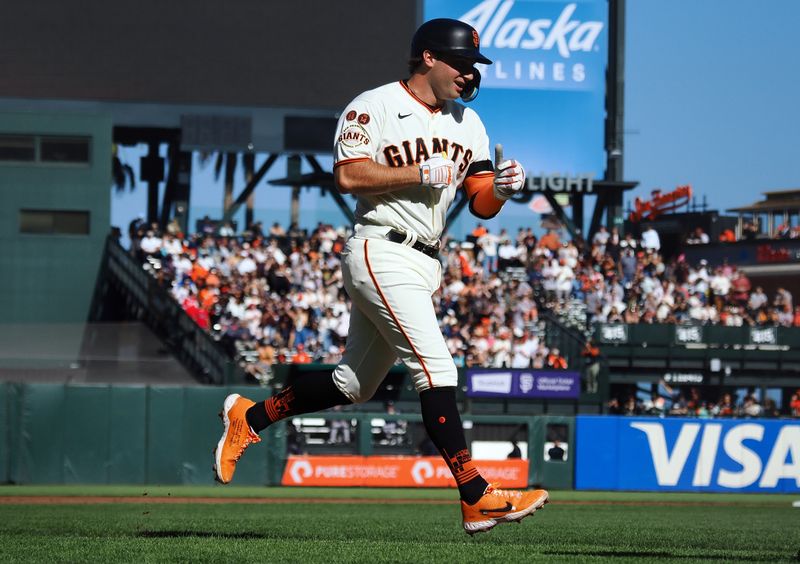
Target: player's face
{"points": [[450, 75]]}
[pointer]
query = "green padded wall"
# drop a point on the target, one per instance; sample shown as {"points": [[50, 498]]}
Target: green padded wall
{"points": [[104, 434], [86, 434], [40, 424], [127, 446], [5, 459]]}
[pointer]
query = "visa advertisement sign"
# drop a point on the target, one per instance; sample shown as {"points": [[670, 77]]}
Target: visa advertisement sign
{"points": [[738, 455], [543, 98]]}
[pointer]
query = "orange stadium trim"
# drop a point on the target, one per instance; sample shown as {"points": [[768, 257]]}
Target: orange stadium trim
{"points": [[431, 109], [391, 312]]}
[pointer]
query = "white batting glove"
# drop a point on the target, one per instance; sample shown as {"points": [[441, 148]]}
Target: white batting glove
{"points": [[437, 172], [509, 179]]}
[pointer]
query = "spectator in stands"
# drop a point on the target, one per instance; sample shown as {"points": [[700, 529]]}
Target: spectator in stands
{"points": [[631, 406], [600, 239], [656, 405], [794, 404], [555, 361], [276, 230], [613, 407], [679, 406], [151, 244], [226, 230], [487, 242], [550, 241], [783, 299], [508, 255], [740, 287], [301, 356], [750, 407], [725, 407], [770, 409], [650, 239], [556, 452], [697, 237], [394, 430], [479, 231], [591, 371], [339, 430], [758, 299], [749, 231]]}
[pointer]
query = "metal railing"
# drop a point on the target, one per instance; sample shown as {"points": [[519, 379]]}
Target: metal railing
{"points": [[147, 301]]}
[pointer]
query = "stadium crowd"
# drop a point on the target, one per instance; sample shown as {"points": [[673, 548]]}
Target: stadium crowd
{"points": [[695, 403], [277, 296]]}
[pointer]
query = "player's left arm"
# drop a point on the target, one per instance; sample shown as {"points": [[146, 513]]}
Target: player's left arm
{"points": [[479, 185], [488, 189]]}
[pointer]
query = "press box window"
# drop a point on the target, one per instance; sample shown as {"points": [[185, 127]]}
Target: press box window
{"points": [[49, 149], [50, 222], [17, 148], [64, 150]]}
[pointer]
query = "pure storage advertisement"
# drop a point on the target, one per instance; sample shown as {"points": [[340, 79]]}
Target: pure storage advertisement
{"points": [[738, 455], [394, 471], [543, 97]]}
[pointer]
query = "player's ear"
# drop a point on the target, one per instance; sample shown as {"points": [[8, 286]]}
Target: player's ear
{"points": [[428, 58]]}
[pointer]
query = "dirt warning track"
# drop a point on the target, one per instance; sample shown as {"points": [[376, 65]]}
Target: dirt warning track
{"points": [[145, 499]]}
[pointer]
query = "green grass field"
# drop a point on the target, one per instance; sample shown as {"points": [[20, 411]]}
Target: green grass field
{"points": [[575, 526]]}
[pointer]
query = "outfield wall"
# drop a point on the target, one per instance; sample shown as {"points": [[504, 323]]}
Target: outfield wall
{"points": [[137, 434], [681, 454], [115, 434], [103, 434]]}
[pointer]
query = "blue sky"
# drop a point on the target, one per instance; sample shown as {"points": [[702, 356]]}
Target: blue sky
{"points": [[711, 100], [712, 90]]}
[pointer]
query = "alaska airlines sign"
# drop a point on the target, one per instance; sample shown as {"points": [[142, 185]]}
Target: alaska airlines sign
{"points": [[549, 45], [745, 455]]}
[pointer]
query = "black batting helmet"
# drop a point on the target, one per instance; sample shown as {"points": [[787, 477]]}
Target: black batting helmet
{"points": [[447, 36]]}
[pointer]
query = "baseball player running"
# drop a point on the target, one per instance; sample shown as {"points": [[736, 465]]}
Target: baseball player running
{"points": [[404, 149]]}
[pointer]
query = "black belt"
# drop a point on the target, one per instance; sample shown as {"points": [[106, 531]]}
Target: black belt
{"points": [[430, 250]]}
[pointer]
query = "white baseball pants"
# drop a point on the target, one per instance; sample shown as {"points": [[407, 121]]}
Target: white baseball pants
{"points": [[391, 285]]}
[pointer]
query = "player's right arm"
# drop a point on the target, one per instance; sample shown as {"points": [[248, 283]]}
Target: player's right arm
{"points": [[366, 177]]}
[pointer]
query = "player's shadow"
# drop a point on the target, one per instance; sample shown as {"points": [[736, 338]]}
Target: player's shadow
{"points": [[641, 554]]}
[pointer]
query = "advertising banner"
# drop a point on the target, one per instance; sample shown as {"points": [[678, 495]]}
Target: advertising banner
{"points": [[501, 383], [394, 471], [733, 455], [543, 97]]}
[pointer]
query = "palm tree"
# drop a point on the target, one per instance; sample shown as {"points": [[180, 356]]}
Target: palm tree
{"points": [[121, 173], [227, 162]]}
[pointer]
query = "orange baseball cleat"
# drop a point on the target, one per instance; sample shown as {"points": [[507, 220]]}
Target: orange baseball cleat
{"points": [[501, 506], [236, 437]]}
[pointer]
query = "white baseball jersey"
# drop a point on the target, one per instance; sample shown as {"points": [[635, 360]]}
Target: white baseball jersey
{"points": [[392, 126]]}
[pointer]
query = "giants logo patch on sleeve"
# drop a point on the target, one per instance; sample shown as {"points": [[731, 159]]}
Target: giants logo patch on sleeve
{"points": [[354, 135]]}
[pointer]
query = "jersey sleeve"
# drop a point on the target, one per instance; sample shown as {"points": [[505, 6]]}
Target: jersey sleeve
{"points": [[358, 132]]}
